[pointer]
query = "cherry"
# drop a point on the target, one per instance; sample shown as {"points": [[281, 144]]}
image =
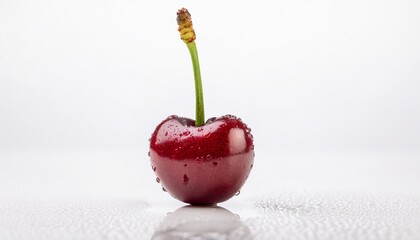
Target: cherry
{"points": [[202, 165], [201, 162]]}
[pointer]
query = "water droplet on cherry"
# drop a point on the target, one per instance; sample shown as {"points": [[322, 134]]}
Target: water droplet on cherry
{"points": [[158, 180], [210, 120], [239, 192], [163, 189], [186, 179], [186, 133], [148, 153]]}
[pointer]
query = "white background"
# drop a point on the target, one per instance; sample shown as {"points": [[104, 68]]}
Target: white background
{"points": [[305, 75], [329, 88]]}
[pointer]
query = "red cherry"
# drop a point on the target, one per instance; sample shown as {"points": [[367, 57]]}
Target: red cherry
{"points": [[205, 164], [200, 162]]}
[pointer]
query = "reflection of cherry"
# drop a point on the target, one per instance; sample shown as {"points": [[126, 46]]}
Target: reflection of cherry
{"points": [[197, 162], [202, 223]]}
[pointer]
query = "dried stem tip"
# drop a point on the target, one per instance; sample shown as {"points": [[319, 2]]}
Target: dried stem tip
{"points": [[185, 26]]}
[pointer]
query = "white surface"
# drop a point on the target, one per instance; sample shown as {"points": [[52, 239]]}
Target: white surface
{"points": [[295, 196], [330, 89]]}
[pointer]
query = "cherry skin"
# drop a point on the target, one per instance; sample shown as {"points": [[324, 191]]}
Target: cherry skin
{"points": [[202, 165]]}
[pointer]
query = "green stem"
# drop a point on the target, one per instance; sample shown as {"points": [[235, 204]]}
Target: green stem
{"points": [[199, 102]]}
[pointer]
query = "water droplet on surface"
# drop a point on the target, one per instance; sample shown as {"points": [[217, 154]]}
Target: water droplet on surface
{"points": [[148, 153], [252, 165], [239, 192], [158, 180], [215, 163], [163, 189], [186, 179], [154, 168]]}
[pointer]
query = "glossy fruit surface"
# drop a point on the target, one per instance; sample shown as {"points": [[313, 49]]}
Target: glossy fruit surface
{"points": [[202, 165]]}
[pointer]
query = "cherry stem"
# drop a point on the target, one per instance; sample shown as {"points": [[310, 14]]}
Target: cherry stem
{"points": [[185, 28], [199, 100]]}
